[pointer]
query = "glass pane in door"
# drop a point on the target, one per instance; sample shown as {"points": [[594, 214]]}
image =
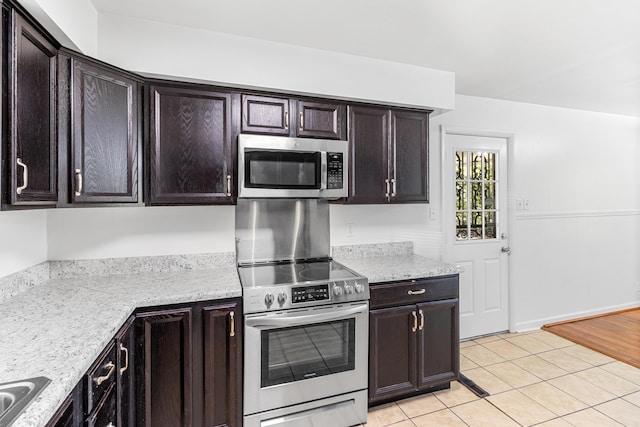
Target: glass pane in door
{"points": [[301, 352], [476, 195]]}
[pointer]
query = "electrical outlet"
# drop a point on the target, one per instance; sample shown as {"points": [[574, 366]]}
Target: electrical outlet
{"points": [[349, 229], [433, 214]]}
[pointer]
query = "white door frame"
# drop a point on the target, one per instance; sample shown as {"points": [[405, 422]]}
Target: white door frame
{"points": [[454, 130]]}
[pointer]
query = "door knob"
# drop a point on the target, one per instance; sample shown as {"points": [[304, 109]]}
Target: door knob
{"points": [[506, 250]]}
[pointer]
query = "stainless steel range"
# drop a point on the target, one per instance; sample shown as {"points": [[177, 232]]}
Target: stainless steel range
{"points": [[306, 319]]}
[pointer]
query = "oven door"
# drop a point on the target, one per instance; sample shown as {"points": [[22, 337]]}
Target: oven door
{"points": [[297, 356]]}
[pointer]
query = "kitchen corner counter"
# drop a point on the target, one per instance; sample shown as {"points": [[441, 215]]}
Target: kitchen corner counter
{"points": [[57, 329], [389, 262]]}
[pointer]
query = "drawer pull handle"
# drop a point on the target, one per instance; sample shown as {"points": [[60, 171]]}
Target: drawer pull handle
{"points": [[301, 120], [421, 327], [228, 185], [386, 181], [286, 120], [393, 185], [126, 359], [112, 367], [25, 176], [232, 319], [419, 292], [415, 322]]}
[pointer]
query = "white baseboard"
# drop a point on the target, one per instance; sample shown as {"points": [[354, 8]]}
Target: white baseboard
{"points": [[538, 323]]}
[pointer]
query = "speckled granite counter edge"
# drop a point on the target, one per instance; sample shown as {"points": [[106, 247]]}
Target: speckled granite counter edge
{"points": [[372, 250], [39, 274]]}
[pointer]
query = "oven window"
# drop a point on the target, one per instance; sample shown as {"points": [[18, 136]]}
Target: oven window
{"points": [[302, 352], [282, 169]]}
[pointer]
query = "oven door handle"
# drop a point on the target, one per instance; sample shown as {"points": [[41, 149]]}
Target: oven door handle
{"points": [[304, 319]]}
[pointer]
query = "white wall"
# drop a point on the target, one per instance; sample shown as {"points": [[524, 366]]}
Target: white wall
{"points": [[576, 250], [74, 23], [151, 47], [139, 231], [23, 240]]}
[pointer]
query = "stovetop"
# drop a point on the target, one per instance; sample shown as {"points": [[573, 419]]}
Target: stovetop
{"points": [[280, 286]]}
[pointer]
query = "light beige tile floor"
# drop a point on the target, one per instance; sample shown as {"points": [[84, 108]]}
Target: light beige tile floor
{"points": [[534, 379]]}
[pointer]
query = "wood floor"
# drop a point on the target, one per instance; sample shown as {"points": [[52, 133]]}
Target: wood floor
{"points": [[615, 334]]}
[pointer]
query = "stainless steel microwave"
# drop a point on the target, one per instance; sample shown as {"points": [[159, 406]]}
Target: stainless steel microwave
{"points": [[282, 167]]}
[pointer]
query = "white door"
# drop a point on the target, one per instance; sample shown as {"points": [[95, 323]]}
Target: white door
{"points": [[476, 226]]}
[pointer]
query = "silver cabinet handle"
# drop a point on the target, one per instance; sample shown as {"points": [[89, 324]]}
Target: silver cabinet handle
{"points": [[126, 359], [301, 120], [418, 292], [232, 325], [393, 183], [386, 181], [286, 120], [229, 185], [112, 367], [78, 182], [25, 176], [415, 322], [421, 327]]}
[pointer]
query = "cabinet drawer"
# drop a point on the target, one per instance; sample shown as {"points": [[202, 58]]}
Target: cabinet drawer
{"points": [[101, 377], [413, 291], [105, 413]]}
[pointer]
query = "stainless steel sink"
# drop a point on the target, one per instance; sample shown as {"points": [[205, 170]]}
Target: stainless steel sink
{"points": [[16, 395]]}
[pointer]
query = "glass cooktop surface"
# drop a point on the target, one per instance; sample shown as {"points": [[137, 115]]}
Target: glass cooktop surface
{"points": [[293, 273]]}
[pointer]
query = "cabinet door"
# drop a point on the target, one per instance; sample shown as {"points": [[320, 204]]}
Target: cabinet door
{"points": [[369, 155], [392, 355], [125, 347], [164, 368], [266, 115], [438, 343], [104, 121], [191, 149], [222, 346], [106, 413], [320, 120], [32, 104], [410, 156]]}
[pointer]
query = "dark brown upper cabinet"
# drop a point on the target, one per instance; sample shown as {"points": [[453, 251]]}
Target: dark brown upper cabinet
{"points": [[290, 117], [104, 135], [191, 152], [266, 115], [32, 115], [320, 119], [389, 155]]}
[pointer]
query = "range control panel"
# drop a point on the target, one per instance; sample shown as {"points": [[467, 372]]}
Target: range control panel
{"points": [[309, 293], [335, 169]]}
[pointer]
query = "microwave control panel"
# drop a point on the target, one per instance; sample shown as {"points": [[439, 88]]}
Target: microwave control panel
{"points": [[335, 162]]}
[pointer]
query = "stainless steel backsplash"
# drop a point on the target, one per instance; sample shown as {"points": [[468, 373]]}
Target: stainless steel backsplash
{"points": [[281, 229]]}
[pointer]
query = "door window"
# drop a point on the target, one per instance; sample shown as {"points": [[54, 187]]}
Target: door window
{"points": [[476, 195], [303, 352]]}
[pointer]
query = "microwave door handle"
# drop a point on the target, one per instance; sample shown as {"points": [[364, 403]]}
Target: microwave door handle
{"points": [[323, 170], [305, 319]]}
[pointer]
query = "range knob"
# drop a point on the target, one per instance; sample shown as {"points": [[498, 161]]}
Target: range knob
{"points": [[337, 290], [348, 289], [282, 298], [359, 287], [268, 299]]}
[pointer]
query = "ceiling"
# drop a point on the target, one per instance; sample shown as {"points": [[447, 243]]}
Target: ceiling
{"points": [[582, 54]]}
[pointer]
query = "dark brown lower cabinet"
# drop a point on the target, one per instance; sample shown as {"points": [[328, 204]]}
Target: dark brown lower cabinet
{"points": [[414, 337], [164, 368], [188, 365]]}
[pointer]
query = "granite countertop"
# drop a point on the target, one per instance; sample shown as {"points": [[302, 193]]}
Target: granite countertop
{"points": [[58, 328], [390, 262], [58, 316]]}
